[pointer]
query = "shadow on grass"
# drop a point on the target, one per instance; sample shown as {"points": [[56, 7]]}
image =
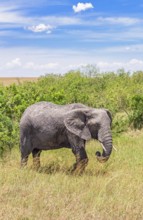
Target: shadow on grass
{"points": [[54, 168], [97, 173]]}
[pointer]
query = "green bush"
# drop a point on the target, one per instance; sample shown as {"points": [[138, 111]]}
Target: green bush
{"points": [[120, 123], [136, 117], [8, 134]]}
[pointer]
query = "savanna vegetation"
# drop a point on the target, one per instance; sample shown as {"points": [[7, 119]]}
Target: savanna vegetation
{"points": [[105, 191], [6, 81]]}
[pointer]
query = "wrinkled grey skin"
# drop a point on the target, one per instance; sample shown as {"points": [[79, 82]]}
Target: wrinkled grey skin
{"points": [[47, 126]]}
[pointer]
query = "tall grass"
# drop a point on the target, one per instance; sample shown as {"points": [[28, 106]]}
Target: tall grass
{"points": [[113, 190], [6, 81]]}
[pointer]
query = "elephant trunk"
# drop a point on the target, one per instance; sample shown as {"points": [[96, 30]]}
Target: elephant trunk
{"points": [[105, 138]]}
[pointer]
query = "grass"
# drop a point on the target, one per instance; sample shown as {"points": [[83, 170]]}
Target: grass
{"points": [[6, 81], [113, 190]]}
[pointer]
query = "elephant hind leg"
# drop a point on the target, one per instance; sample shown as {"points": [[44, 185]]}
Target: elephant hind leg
{"points": [[24, 160], [24, 157], [25, 148], [36, 158]]}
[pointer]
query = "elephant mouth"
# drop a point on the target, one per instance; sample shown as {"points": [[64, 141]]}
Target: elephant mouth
{"points": [[102, 158]]}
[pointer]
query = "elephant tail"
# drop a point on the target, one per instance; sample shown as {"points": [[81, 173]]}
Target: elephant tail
{"points": [[25, 144]]}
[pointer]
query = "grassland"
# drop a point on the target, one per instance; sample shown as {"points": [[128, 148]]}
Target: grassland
{"points": [[6, 81], [113, 190]]}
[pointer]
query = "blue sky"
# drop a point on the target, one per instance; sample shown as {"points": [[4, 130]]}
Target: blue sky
{"points": [[44, 36]]}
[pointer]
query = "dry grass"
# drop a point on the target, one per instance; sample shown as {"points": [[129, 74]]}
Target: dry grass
{"points": [[6, 81], [105, 191]]}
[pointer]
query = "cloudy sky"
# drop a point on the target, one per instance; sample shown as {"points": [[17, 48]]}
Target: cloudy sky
{"points": [[53, 36]]}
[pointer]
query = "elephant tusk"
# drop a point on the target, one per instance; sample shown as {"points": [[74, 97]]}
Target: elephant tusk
{"points": [[106, 150], [114, 148], [103, 147]]}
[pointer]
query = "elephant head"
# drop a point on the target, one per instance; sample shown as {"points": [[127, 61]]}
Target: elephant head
{"points": [[92, 123]]}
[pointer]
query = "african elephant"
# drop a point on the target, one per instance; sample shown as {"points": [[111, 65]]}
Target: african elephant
{"points": [[46, 126]]}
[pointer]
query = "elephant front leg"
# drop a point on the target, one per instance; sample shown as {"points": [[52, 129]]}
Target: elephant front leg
{"points": [[81, 160], [36, 158]]}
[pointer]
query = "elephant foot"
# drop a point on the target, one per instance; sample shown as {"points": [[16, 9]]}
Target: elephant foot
{"points": [[78, 168], [23, 162], [36, 163]]}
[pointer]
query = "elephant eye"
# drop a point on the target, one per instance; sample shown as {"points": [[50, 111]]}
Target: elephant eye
{"points": [[94, 126], [97, 126]]}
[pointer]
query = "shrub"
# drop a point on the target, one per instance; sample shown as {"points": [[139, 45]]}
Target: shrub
{"points": [[8, 134], [136, 117]]}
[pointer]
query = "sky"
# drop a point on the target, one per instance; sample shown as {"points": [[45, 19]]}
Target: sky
{"points": [[38, 37]]}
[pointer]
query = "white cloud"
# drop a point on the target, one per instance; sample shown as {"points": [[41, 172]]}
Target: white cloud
{"points": [[14, 63], [36, 62], [134, 64], [82, 7], [13, 19], [126, 50], [119, 20], [118, 34], [30, 65], [41, 28], [10, 17], [130, 65], [35, 66], [31, 4], [58, 20]]}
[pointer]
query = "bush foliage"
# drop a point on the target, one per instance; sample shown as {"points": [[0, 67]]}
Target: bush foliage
{"points": [[121, 93]]}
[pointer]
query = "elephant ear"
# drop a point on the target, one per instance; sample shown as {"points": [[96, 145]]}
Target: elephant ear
{"points": [[75, 122], [109, 114]]}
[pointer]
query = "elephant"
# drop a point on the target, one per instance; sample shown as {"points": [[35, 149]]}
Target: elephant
{"points": [[46, 126]]}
